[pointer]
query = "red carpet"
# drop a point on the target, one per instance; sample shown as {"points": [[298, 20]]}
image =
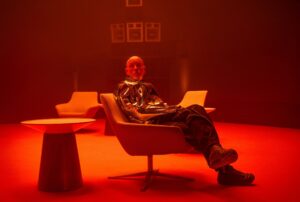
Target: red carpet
{"points": [[271, 153]]}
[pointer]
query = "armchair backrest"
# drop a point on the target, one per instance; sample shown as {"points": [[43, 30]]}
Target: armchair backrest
{"points": [[80, 98], [193, 97], [112, 110]]}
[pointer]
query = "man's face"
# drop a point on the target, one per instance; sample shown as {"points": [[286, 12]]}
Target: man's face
{"points": [[135, 68]]}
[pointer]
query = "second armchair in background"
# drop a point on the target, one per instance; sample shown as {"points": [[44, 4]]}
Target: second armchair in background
{"points": [[81, 104]]}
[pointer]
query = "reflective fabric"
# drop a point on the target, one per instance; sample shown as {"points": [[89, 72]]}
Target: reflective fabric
{"points": [[136, 97]]}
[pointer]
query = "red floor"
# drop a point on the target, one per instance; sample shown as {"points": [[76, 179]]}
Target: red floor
{"points": [[271, 153]]}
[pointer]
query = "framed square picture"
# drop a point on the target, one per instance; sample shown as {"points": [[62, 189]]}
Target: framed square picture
{"points": [[135, 32], [117, 33], [134, 3], [152, 32]]}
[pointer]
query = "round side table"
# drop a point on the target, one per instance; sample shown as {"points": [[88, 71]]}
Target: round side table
{"points": [[59, 166]]}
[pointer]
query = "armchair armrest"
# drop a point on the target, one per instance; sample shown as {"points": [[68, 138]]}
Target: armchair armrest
{"points": [[62, 108]]}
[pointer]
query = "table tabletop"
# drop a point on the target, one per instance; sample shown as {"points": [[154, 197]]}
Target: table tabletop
{"points": [[58, 125]]}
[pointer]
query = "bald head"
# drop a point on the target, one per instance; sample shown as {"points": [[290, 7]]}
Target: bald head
{"points": [[134, 59], [135, 68]]}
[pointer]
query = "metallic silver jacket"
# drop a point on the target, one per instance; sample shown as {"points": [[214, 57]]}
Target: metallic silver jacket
{"points": [[140, 97]]}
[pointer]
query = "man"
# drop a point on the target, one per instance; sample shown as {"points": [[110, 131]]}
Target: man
{"points": [[141, 103]]}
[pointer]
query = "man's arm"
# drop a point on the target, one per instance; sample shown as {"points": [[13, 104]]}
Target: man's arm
{"points": [[146, 117], [133, 111]]}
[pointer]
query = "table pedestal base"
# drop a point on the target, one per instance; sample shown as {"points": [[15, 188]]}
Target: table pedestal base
{"points": [[60, 167]]}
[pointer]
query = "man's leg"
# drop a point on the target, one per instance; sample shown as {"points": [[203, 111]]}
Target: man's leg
{"points": [[203, 137]]}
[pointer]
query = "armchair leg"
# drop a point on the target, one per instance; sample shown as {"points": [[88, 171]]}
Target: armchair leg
{"points": [[148, 179], [149, 175], [175, 177], [131, 176]]}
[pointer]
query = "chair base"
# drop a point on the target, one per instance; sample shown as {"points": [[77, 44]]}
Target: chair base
{"points": [[148, 177]]}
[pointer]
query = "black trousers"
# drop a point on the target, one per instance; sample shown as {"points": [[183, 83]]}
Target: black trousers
{"points": [[196, 125]]}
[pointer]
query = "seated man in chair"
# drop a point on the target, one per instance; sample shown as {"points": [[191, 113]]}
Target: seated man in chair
{"points": [[141, 103]]}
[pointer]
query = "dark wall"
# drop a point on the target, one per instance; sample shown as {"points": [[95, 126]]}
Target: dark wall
{"points": [[245, 53]]}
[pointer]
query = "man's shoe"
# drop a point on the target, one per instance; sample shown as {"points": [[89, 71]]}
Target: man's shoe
{"points": [[219, 157], [230, 176]]}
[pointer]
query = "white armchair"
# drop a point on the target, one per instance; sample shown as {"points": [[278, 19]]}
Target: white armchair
{"points": [[144, 140], [81, 104]]}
